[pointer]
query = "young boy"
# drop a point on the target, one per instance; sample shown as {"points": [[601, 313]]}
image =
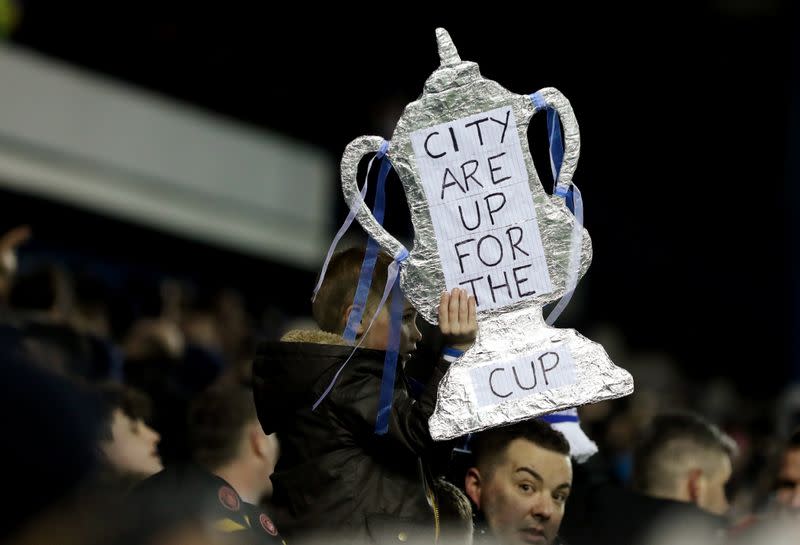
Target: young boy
{"points": [[337, 480]]}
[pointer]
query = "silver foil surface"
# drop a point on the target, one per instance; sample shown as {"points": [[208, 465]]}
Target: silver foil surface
{"points": [[514, 339]]}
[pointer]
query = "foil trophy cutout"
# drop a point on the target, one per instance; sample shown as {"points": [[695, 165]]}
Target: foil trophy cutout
{"points": [[482, 221]]}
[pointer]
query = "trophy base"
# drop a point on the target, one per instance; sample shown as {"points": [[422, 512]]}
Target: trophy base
{"points": [[526, 370]]}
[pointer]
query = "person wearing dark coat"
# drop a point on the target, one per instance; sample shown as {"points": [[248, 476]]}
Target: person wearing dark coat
{"points": [[228, 477], [185, 490], [680, 468], [337, 480]]}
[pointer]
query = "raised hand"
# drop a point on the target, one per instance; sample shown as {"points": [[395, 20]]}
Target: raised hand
{"points": [[457, 319]]}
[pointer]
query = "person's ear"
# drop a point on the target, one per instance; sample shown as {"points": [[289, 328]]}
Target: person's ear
{"points": [[259, 443], [346, 318], [696, 486], [472, 485]]}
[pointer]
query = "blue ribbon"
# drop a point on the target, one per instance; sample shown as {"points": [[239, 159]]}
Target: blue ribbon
{"points": [[572, 198], [465, 448], [538, 101], [390, 360], [362, 294], [556, 145], [557, 418], [393, 273], [452, 352], [351, 215], [396, 307], [371, 252], [557, 157]]}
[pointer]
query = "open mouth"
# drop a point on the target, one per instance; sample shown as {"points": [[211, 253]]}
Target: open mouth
{"points": [[533, 535]]}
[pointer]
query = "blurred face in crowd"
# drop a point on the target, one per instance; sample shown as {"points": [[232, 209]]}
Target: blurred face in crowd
{"points": [[133, 448], [710, 494], [378, 335], [270, 454], [523, 497], [787, 492]]}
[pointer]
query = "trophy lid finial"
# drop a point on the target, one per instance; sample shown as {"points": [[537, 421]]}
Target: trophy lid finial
{"points": [[448, 54]]}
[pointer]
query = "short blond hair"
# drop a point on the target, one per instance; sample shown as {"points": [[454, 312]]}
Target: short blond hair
{"points": [[339, 288], [674, 442], [455, 512]]}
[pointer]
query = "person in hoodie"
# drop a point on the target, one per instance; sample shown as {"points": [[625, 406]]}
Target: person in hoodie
{"points": [[338, 480]]}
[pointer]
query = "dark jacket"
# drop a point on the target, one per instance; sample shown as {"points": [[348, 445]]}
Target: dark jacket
{"points": [[189, 492], [336, 479], [617, 516], [483, 535]]}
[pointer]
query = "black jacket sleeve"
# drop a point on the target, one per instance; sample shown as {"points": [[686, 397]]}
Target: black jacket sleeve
{"points": [[356, 404]]}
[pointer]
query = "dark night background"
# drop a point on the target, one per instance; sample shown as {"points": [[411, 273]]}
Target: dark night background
{"points": [[689, 127]]}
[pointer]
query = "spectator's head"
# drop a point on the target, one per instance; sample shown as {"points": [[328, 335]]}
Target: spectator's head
{"points": [[683, 457], [227, 439], [455, 514], [334, 302], [128, 444], [50, 427], [787, 483], [153, 340], [44, 292], [9, 241], [93, 299], [58, 348], [520, 481]]}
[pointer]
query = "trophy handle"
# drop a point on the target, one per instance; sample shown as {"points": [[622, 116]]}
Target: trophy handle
{"points": [[572, 135], [353, 154]]}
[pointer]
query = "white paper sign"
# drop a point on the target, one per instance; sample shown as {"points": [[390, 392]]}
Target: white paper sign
{"points": [[522, 377], [483, 215]]}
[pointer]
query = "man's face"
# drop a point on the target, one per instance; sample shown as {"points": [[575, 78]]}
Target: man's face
{"points": [[271, 454], [712, 497], [378, 336], [523, 498], [787, 492]]}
